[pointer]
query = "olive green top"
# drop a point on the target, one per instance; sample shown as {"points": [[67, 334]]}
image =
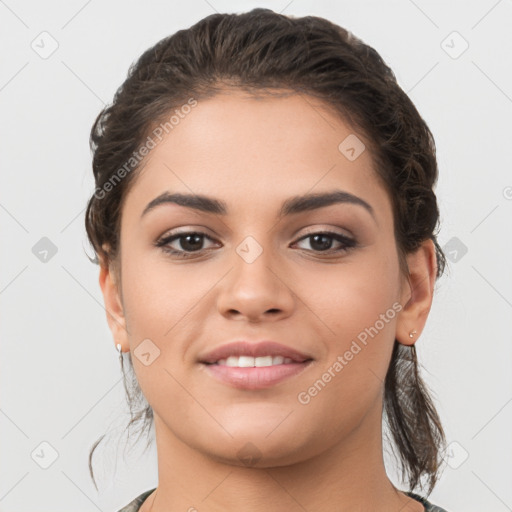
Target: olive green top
{"points": [[135, 505]]}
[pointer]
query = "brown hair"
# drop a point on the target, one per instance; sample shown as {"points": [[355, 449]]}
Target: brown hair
{"points": [[261, 51]]}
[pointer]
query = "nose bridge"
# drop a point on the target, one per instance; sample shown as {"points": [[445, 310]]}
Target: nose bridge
{"points": [[254, 262], [254, 286]]}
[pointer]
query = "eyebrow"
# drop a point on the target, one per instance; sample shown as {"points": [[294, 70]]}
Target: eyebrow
{"points": [[291, 206]]}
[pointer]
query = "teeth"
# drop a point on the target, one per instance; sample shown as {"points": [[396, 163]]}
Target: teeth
{"points": [[248, 362]]}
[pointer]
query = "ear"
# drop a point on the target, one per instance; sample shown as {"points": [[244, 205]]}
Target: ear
{"points": [[417, 293], [113, 304]]}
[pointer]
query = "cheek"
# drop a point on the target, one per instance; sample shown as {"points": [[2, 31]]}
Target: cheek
{"points": [[351, 296], [349, 382], [167, 304], [357, 307], [159, 301], [159, 294]]}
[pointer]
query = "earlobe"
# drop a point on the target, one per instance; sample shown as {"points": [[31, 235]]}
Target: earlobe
{"points": [[417, 293], [113, 305]]}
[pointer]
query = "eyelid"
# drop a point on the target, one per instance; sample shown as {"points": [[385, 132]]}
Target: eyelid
{"points": [[312, 230]]}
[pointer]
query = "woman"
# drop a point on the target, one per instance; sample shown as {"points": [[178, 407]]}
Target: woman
{"points": [[264, 219]]}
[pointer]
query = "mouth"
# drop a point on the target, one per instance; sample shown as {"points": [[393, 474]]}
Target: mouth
{"points": [[255, 362], [245, 354], [254, 377], [254, 366]]}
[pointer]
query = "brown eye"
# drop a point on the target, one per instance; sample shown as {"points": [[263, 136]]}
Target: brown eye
{"points": [[184, 243], [323, 241]]}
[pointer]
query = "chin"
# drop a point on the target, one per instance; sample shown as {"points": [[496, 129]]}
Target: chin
{"points": [[256, 455], [255, 448]]}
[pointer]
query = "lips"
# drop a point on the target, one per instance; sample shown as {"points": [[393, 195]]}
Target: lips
{"points": [[260, 349], [252, 379]]}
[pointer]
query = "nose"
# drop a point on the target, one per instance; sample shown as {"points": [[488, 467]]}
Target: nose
{"points": [[256, 290]]}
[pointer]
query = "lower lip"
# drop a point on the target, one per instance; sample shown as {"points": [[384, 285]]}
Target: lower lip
{"points": [[256, 377]]}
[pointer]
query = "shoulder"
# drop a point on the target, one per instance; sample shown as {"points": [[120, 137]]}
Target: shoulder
{"points": [[135, 504], [429, 507]]}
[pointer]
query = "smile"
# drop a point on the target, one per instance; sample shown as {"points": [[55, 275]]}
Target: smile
{"points": [[250, 374], [248, 362]]}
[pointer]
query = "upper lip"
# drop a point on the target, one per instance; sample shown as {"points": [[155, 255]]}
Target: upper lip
{"points": [[259, 349]]}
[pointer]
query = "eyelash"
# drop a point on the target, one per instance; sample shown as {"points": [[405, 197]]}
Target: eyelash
{"points": [[348, 243]]}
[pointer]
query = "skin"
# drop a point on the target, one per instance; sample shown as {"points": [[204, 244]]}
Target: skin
{"points": [[254, 154]]}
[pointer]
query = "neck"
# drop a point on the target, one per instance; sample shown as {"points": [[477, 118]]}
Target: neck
{"points": [[349, 475]]}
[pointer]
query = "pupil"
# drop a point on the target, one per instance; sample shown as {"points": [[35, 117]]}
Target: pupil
{"points": [[322, 246], [197, 241]]}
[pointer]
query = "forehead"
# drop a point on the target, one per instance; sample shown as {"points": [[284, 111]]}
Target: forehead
{"points": [[261, 150]]}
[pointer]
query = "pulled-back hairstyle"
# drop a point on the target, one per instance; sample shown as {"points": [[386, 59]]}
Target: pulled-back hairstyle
{"points": [[261, 51]]}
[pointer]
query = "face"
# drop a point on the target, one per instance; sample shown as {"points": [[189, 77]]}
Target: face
{"points": [[322, 280]]}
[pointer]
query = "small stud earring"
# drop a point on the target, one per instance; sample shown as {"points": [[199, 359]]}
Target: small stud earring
{"points": [[412, 333], [119, 348]]}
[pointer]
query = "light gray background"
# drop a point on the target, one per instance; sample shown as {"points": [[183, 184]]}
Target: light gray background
{"points": [[60, 376]]}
